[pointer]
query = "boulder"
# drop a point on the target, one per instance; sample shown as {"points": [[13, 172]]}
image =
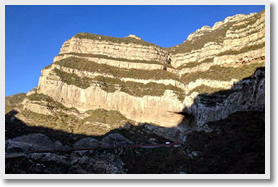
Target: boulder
{"points": [[36, 141], [96, 163], [115, 139], [86, 142]]}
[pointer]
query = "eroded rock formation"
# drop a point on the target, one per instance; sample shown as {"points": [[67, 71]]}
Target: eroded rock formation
{"points": [[141, 82], [113, 95]]}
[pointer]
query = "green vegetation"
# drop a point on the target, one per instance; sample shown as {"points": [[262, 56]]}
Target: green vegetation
{"points": [[13, 101], [109, 84], [126, 40], [112, 58], [243, 50], [40, 97], [217, 36], [113, 84], [205, 89], [38, 119], [109, 119], [8, 108], [250, 21], [50, 101], [86, 65], [154, 89], [90, 125], [72, 79], [222, 73], [194, 64], [113, 117], [58, 121], [137, 89], [236, 145]]}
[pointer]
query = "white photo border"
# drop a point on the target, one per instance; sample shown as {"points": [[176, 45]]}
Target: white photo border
{"points": [[142, 176]]}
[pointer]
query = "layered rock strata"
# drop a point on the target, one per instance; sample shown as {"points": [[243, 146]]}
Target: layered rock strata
{"points": [[147, 83], [246, 95]]}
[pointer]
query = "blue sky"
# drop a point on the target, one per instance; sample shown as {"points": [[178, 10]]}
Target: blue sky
{"points": [[34, 34]]}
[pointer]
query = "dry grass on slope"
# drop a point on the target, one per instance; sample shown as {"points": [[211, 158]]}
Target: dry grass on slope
{"points": [[198, 42], [113, 84], [222, 73], [101, 121], [118, 59], [13, 101], [127, 40], [86, 65]]}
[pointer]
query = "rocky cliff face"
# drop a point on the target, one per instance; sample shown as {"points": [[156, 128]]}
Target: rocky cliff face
{"points": [[146, 83], [246, 95], [236, 36], [130, 48], [105, 93]]}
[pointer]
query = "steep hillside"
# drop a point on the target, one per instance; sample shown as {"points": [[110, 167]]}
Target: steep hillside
{"points": [[227, 40], [13, 101], [111, 105], [98, 83], [234, 145]]}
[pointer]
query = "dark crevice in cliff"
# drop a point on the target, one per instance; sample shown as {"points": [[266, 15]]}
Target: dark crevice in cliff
{"points": [[247, 94], [233, 145], [222, 132], [236, 145]]}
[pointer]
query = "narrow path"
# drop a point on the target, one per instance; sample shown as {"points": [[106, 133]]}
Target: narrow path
{"points": [[147, 146]]}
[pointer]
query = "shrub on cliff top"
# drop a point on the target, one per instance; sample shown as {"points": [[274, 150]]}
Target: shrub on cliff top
{"points": [[126, 40]]}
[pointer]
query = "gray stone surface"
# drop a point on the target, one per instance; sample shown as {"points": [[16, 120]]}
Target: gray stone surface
{"points": [[86, 142], [246, 95], [96, 163], [32, 141], [115, 139]]}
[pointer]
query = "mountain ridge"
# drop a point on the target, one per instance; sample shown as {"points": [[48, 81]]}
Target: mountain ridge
{"points": [[202, 100], [147, 83]]}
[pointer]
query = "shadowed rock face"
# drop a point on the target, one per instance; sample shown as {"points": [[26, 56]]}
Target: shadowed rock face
{"points": [[32, 141], [234, 145], [207, 93], [246, 95], [135, 81]]}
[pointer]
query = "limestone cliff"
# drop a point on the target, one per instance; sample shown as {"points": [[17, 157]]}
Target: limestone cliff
{"points": [[131, 47], [141, 82], [246, 95]]}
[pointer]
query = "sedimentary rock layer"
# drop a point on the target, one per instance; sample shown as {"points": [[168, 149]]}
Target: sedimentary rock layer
{"points": [[148, 83]]}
